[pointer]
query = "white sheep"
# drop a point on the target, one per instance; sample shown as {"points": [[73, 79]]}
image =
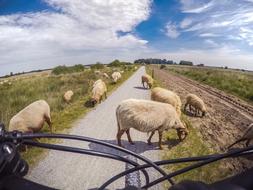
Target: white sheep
{"points": [[99, 89], [147, 116], [148, 80], [68, 95], [194, 101], [166, 96], [116, 76], [106, 75], [247, 136], [32, 118]]}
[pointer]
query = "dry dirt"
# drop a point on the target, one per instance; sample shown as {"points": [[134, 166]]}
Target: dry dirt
{"points": [[223, 124]]}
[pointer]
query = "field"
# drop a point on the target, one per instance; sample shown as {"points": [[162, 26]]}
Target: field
{"points": [[233, 82], [209, 134], [20, 91]]}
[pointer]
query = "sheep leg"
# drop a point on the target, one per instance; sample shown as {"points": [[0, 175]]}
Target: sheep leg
{"points": [[149, 139], [105, 95], [143, 84], [247, 142], [185, 106], [129, 137], [160, 139], [49, 122], [119, 135]]}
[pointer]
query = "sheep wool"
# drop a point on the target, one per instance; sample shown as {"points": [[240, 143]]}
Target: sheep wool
{"points": [[32, 118], [166, 96], [147, 116]]}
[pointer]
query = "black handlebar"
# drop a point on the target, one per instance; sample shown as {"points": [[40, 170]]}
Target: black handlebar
{"points": [[13, 167]]}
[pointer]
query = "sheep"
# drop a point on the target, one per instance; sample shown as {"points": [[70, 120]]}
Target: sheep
{"points": [[99, 89], [31, 119], [121, 72], [135, 68], [148, 80], [97, 72], [147, 116], [247, 136], [166, 96], [106, 75], [68, 95], [116, 76], [196, 102]]}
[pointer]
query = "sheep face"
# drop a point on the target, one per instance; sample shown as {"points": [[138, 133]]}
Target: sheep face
{"points": [[182, 133], [93, 102]]}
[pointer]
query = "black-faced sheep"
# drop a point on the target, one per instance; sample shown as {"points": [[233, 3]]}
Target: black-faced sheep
{"points": [[166, 96], [194, 101], [32, 118], [147, 116]]}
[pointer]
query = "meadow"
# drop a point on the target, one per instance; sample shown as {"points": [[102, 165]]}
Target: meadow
{"points": [[19, 92], [238, 83]]}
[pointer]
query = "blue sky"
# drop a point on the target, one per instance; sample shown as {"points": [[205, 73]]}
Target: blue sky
{"points": [[44, 33]]}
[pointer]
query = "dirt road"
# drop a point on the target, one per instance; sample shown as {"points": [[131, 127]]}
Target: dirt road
{"points": [[73, 171], [224, 123]]}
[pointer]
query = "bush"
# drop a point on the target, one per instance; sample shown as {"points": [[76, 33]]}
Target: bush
{"points": [[115, 63], [64, 69], [97, 66], [162, 67]]}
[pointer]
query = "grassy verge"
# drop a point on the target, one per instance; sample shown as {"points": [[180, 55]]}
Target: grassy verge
{"points": [[193, 145], [233, 82], [51, 88]]}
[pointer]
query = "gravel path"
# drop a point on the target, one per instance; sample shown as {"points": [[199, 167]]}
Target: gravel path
{"points": [[73, 171]]}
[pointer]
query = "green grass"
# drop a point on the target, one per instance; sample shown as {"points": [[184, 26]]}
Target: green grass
{"points": [[193, 145], [233, 82], [22, 92]]}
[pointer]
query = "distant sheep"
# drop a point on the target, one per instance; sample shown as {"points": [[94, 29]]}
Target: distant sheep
{"points": [[116, 76], [167, 96], [31, 119], [68, 95], [106, 75], [148, 80], [147, 116], [99, 89], [194, 101], [121, 72], [247, 136]]}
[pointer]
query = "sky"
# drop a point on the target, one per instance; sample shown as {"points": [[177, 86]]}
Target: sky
{"points": [[42, 34]]}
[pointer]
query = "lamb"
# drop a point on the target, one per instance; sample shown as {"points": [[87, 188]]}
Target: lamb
{"points": [[68, 95], [197, 103], [148, 80], [116, 76], [147, 116], [99, 89], [166, 96], [247, 136], [31, 119]]}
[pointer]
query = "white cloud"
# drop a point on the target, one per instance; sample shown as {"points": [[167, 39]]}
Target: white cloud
{"points": [[171, 30], [195, 6], [185, 23], [208, 35], [78, 29], [211, 43]]}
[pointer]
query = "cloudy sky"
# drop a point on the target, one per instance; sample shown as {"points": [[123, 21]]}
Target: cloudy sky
{"points": [[44, 33]]}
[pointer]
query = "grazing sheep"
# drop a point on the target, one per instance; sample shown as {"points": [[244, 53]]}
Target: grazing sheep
{"points": [[106, 75], [99, 89], [135, 68], [31, 118], [68, 95], [247, 136], [148, 80], [147, 116], [194, 101], [121, 72], [166, 96], [116, 76]]}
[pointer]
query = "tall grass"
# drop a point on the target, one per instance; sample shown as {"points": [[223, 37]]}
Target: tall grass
{"points": [[22, 92], [234, 82]]}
